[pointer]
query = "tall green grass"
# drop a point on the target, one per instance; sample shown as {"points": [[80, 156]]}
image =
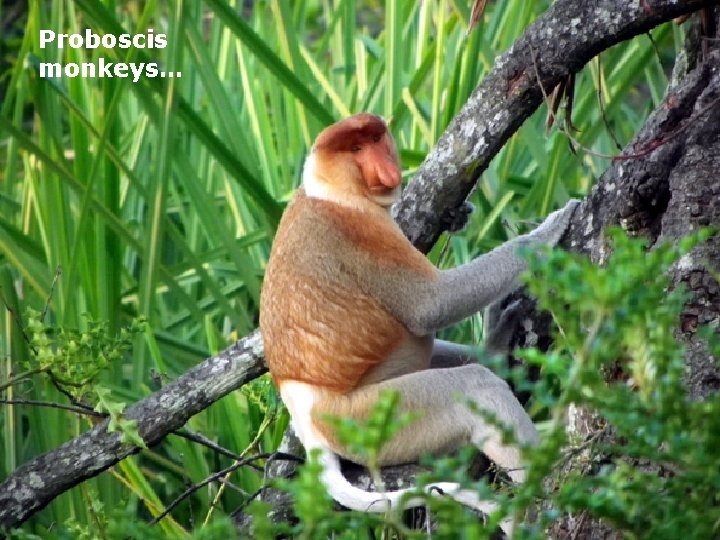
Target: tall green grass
{"points": [[160, 198]]}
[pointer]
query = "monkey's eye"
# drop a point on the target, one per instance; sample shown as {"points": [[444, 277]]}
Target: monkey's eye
{"points": [[376, 138], [355, 148]]}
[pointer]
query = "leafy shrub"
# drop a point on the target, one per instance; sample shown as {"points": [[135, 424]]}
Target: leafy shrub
{"points": [[651, 467]]}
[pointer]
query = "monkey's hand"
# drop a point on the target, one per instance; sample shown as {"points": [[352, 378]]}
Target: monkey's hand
{"points": [[455, 219], [499, 324], [551, 230]]}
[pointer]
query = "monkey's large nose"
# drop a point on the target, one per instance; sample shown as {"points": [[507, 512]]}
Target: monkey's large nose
{"points": [[388, 173]]}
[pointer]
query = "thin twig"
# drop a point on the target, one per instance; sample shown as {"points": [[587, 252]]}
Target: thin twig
{"points": [[655, 47], [269, 417], [217, 476], [201, 439], [234, 487], [58, 384], [25, 375], [18, 321], [674, 133], [601, 104], [58, 273], [53, 405], [569, 102], [589, 441], [266, 479], [635, 155], [554, 103], [254, 495]]}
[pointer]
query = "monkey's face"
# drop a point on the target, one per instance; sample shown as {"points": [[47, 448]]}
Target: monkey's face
{"points": [[357, 157], [376, 159]]}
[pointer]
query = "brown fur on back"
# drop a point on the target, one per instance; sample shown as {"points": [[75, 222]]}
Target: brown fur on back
{"points": [[318, 326]]}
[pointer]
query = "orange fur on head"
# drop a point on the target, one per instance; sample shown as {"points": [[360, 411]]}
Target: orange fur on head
{"points": [[355, 157]]}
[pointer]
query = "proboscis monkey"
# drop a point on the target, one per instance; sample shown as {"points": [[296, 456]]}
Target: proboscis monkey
{"points": [[349, 307]]}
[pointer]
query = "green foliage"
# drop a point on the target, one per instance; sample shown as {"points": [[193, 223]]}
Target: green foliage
{"points": [[127, 428], [75, 358], [125, 526], [650, 470], [122, 524], [656, 477], [312, 504]]}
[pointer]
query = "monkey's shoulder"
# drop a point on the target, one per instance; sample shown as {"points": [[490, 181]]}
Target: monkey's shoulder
{"points": [[353, 237]]}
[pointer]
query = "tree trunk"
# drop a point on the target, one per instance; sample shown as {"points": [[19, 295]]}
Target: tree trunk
{"points": [[664, 186]]}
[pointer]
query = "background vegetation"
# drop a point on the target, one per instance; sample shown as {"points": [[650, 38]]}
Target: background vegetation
{"points": [[157, 200]]}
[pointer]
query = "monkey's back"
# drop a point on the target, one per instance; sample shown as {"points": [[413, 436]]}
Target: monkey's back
{"points": [[318, 326]]}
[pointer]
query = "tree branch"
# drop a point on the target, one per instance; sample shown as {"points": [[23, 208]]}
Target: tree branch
{"points": [[53, 405]]}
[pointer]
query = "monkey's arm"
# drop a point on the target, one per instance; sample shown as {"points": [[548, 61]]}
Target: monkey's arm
{"points": [[498, 327], [446, 354], [458, 293]]}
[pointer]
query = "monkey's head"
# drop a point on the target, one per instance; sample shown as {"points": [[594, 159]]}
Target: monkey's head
{"points": [[353, 158]]}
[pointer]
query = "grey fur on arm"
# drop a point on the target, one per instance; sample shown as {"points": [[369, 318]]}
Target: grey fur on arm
{"points": [[467, 289]]}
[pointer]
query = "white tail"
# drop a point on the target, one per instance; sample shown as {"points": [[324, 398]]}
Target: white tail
{"points": [[358, 499]]}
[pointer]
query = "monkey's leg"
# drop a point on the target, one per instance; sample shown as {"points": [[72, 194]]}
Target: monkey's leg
{"points": [[446, 354], [440, 396], [445, 422]]}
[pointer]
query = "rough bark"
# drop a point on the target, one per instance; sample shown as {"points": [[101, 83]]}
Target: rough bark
{"points": [[665, 185], [557, 44]]}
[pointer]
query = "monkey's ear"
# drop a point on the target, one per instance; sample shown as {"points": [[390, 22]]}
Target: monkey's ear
{"points": [[455, 219]]}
